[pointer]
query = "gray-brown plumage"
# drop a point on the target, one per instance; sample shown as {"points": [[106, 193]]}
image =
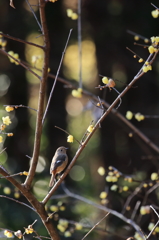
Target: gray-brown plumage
{"points": [[58, 164]]}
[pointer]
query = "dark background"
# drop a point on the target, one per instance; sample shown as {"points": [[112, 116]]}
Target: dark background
{"points": [[106, 23]]}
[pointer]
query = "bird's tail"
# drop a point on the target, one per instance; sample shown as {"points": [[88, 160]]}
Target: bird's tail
{"points": [[52, 180]]}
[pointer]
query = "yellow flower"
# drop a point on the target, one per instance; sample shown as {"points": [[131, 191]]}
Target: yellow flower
{"points": [[151, 49], [74, 16], [154, 176], [114, 187], [69, 12], [62, 208], [53, 0], [25, 173], [77, 93], [17, 195], [150, 226], [129, 115], [136, 38], [9, 109], [139, 117], [101, 171], [7, 190], [10, 134], [125, 188], [105, 80], [54, 208], [103, 195], [78, 226], [144, 210], [6, 120], [1, 139], [140, 60], [67, 234], [70, 139], [90, 128], [155, 13], [18, 234], [61, 228], [8, 234], [29, 230]]}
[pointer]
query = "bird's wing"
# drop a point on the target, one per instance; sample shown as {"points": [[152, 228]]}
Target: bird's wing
{"points": [[59, 160]]}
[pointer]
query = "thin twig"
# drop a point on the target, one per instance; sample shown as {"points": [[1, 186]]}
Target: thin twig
{"points": [[20, 40], [24, 204], [135, 209], [95, 226], [105, 209], [34, 15], [68, 134], [17, 106], [3, 150], [53, 87], [155, 224], [20, 63]]}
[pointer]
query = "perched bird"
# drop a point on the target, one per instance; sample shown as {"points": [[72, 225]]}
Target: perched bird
{"points": [[58, 164]]}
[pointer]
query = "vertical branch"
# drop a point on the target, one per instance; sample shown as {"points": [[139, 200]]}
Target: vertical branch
{"points": [[79, 44], [42, 92]]}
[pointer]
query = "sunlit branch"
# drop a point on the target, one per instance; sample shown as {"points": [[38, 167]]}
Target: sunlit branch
{"points": [[20, 63], [20, 40]]}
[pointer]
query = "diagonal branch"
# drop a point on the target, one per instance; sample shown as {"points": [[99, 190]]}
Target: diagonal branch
{"points": [[81, 148]]}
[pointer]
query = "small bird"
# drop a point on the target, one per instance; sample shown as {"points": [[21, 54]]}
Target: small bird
{"points": [[58, 164]]}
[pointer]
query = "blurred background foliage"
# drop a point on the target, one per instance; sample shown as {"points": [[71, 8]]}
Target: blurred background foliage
{"points": [[104, 41]]}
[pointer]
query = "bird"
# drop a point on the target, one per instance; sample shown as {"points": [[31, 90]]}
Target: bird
{"points": [[58, 164]]}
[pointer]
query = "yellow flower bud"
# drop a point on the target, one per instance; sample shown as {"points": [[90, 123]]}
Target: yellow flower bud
{"points": [[103, 195], [155, 13], [125, 188], [25, 173], [154, 176], [114, 187], [136, 38], [69, 12], [9, 109], [105, 80], [74, 16], [1, 139], [90, 128], [78, 226], [70, 139], [101, 171], [129, 115], [67, 234], [151, 49], [7, 190], [54, 208]]}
